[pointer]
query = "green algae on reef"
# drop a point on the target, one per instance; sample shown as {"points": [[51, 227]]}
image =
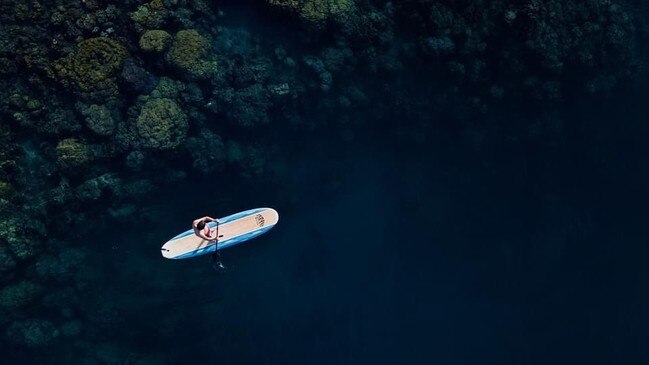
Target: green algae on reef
{"points": [[190, 54], [94, 65], [155, 40], [72, 153], [317, 11], [161, 124]]}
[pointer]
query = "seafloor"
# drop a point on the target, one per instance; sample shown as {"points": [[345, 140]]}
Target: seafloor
{"points": [[459, 181]]}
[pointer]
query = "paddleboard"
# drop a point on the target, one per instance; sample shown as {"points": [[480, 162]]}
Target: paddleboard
{"points": [[232, 230]]}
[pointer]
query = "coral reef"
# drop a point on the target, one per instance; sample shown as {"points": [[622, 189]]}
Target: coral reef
{"points": [[545, 50], [92, 189], [250, 160], [104, 103], [315, 64], [58, 267], [99, 119], [20, 241], [7, 263], [5, 189], [32, 332], [155, 40], [150, 15], [94, 65], [162, 124], [18, 295], [168, 88], [248, 106], [207, 151], [72, 153], [190, 54], [316, 11], [135, 160], [71, 328]]}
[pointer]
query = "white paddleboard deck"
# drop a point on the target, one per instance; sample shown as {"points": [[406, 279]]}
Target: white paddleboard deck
{"points": [[232, 230]]}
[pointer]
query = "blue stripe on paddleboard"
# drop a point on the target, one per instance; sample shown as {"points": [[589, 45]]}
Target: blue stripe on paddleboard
{"points": [[228, 243]]}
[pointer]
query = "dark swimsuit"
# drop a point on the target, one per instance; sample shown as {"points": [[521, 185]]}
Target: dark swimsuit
{"points": [[208, 231]]}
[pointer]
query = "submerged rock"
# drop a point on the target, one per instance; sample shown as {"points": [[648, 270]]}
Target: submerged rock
{"points": [[168, 88], [12, 233], [150, 15], [317, 11], [59, 121], [94, 64], [92, 189], [71, 328], [136, 78], [32, 332], [5, 189], [207, 151], [155, 41], [316, 64], [249, 106], [72, 153], [438, 46], [58, 268], [250, 161], [190, 54], [99, 120], [135, 160], [123, 213], [18, 295], [162, 124], [7, 263], [320, 10]]}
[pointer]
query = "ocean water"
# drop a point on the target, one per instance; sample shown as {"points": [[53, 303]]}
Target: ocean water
{"points": [[440, 251], [449, 243]]}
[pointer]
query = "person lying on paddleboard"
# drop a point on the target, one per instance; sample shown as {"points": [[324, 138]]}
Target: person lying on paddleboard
{"points": [[202, 230]]}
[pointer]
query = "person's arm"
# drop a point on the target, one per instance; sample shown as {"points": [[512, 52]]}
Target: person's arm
{"points": [[212, 219], [197, 231]]}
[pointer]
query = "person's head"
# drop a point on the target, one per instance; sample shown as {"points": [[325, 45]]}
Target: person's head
{"points": [[200, 224]]}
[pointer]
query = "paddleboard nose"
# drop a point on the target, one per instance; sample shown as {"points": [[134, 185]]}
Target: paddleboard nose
{"points": [[166, 253]]}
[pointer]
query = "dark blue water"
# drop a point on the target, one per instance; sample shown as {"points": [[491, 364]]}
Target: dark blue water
{"points": [[446, 251], [510, 237]]}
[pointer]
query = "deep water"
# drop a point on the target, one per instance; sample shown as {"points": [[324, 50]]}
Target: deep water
{"points": [[440, 251], [488, 240]]}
